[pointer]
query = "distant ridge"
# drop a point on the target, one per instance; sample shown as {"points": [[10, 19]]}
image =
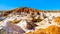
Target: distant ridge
{"points": [[26, 9], [23, 9]]}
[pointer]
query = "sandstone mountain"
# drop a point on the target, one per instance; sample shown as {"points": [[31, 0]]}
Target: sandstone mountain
{"points": [[30, 21]]}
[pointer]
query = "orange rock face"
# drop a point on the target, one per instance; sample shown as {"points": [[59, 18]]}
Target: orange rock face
{"points": [[49, 30], [40, 31], [30, 33], [53, 30], [57, 20]]}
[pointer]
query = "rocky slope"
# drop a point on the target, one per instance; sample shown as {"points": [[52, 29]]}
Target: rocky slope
{"points": [[30, 21]]}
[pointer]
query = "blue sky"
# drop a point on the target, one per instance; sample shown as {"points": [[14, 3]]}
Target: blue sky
{"points": [[37, 4]]}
